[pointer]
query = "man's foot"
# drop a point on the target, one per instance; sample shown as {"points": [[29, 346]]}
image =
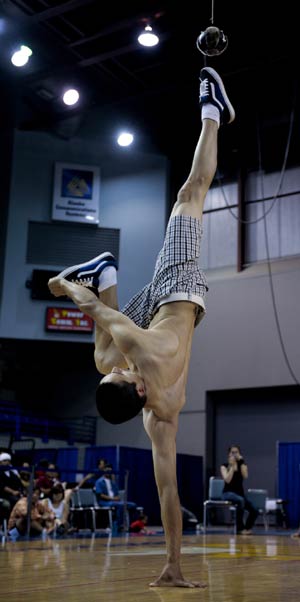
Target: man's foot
{"points": [[212, 91], [246, 532], [88, 273]]}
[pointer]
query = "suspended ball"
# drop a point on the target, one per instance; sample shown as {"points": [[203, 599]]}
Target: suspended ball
{"points": [[212, 41]]}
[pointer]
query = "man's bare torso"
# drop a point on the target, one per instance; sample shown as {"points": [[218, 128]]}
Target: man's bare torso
{"points": [[163, 358]]}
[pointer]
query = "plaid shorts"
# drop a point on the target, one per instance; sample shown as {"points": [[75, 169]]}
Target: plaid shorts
{"points": [[177, 276]]}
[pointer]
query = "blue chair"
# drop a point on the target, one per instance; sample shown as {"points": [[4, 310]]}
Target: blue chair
{"points": [[215, 501], [258, 499]]}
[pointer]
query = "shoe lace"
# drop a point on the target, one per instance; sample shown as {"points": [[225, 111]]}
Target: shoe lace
{"points": [[83, 281], [204, 87]]}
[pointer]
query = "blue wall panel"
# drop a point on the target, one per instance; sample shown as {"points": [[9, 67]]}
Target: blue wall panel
{"points": [[289, 479]]}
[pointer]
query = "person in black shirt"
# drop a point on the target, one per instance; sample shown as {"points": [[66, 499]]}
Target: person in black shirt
{"points": [[11, 488], [234, 472]]}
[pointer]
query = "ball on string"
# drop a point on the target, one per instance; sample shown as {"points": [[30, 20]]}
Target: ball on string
{"points": [[212, 41]]}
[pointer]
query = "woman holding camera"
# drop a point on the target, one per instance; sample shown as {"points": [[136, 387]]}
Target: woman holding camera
{"points": [[233, 473]]}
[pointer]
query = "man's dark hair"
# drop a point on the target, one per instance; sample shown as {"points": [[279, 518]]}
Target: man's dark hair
{"points": [[117, 403]]}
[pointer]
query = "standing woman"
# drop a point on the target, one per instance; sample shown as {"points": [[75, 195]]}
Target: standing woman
{"points": [[233, 473]]}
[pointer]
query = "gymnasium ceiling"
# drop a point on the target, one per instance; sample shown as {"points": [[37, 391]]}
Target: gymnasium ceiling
{"points": [[92, 44]]}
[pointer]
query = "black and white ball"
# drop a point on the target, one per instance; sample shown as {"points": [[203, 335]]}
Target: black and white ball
{"points": [[212, 41]]}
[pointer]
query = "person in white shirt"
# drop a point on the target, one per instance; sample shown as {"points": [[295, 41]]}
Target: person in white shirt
{"points": [[57, 504]]}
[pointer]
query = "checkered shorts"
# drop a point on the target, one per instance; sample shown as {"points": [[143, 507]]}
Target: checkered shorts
{"points": [[177, 276]]}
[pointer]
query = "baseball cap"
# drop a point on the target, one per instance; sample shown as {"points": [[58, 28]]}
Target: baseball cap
{"points": [[4, 456]]}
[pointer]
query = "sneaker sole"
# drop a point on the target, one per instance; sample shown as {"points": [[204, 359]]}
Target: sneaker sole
{"points": [[71, 269], [222, 88]]}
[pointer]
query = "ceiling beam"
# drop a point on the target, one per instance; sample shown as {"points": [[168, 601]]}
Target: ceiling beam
{"points": [[118, 26], [56, 11], [104, 56]]}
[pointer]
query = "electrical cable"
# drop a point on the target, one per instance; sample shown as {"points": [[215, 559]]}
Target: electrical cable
{"points": [[263, 217], [283, 348], [280, 182]]}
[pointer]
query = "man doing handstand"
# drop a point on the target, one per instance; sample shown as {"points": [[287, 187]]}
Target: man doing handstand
{"points": [[144, 351]]}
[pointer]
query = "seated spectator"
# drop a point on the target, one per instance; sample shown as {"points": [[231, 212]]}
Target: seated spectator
{"points": [[41, 468], [25, 473], [42, 520], [93, 476], [57, 505], [10, 483], [45, 485], [4, 512], [139, 525], [107, 493], [234, 472], [52, 473]]}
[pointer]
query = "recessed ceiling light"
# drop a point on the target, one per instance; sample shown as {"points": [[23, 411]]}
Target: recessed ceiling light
{"points": [[125, 139], [71, 97]]}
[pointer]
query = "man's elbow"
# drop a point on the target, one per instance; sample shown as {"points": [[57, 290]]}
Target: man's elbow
{"points": [[102, 364]]}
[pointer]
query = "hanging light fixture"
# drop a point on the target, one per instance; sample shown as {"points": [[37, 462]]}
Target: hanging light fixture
{"points": [[21, 56], [147, 37]]}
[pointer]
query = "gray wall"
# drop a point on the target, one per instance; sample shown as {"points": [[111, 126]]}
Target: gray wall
{"points": [[132, 198], [236, 346], [257, 419]]}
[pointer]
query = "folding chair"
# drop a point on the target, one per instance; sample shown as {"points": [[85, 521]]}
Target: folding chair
{"points": [[258, 498], [83, 502], [215, 501]]}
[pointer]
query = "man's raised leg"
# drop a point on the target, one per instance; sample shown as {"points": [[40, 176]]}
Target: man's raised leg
{"points": [[215, 109]]}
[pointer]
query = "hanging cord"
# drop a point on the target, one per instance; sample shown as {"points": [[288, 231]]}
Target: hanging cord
{"points": [[275, 198], [285, 355], [263, 217], [212, 11]]}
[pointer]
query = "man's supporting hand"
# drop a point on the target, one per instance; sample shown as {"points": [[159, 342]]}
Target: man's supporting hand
{"points": [[171, 576]]}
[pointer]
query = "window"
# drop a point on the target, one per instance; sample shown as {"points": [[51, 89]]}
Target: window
{"points": [[220, 227], [283, 219], [219, 245]]}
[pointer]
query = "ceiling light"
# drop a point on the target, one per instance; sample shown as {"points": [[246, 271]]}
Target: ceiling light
{"points": [[71, 97], [125, 139], [21, 56], [147, 37]]}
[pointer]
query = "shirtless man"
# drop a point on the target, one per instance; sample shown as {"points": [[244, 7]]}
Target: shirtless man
{"points": [[144, 350]]}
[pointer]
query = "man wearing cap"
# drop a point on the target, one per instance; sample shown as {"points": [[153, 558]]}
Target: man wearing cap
{"points": [[10, 482]]}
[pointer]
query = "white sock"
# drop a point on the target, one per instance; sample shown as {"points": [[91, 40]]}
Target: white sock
{"points": [[210, 111], [108, 278]]}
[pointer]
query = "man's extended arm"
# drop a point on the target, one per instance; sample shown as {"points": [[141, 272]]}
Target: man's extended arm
{"points": [[163, 435]]}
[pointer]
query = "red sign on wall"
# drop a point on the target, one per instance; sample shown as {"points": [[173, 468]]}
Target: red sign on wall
{"points": [[68, 320]]}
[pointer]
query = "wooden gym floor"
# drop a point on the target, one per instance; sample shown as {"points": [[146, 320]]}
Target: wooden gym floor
{"points": [[236, 569]]}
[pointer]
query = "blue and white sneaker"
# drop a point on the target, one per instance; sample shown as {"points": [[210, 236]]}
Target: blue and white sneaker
{"points": [[212, 91], [88, 273]]}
